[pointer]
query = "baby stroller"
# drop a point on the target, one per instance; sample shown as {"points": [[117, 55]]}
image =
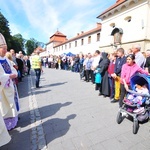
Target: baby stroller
{"points": [[136, 105]]}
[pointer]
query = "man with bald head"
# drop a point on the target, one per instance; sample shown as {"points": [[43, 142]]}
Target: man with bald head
{"points": [[139, 57]]}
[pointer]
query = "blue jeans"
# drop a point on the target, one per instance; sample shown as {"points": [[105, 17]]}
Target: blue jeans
{"points": [[76, 67], [38, 74]]}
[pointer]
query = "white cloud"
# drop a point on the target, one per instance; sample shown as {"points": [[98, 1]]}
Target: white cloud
{"points": [[15, 29], [43, 17]]}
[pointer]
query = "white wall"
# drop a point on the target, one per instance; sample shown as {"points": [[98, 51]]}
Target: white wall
{"points": [[132, 31], [85, 48]]}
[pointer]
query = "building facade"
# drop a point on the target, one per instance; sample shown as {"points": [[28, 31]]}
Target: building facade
{"points": [[125, 23], [122, 24], [84, 42], [55, 39]]}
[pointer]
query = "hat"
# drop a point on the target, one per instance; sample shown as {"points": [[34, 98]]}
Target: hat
{"points": [[2, 40]]}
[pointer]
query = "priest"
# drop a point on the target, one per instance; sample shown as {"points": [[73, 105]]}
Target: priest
{"points": [[7, 73]]}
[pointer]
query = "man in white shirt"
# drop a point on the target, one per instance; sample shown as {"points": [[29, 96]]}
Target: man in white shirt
{"points": [[139, 57], [95, 63]]}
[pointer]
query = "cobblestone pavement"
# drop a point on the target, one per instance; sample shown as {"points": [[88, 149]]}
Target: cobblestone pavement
{"points": [[67, 114]]}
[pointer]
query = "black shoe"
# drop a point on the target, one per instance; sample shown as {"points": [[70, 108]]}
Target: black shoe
{"points": [[114, 101], [38, 86]]}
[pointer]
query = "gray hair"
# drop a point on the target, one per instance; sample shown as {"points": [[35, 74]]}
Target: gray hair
{"points": [[137, 46]]}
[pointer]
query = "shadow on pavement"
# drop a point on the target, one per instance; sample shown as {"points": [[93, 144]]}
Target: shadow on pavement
{"points": [[45, 111], [41, 91], [55, 84], [55, 128], [50, 110], [21, 134]]}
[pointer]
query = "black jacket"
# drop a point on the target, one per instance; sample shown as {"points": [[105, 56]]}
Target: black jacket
{"points": [[118, 65]]}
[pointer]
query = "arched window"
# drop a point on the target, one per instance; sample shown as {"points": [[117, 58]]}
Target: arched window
{"points": [[69, 45], [82, 41], [128, 19], [75, 43], [98, 36], [89, 39], [117, 33], [112, 25]]}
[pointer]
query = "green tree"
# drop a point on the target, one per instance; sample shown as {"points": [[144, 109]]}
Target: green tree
{"points": [[30, 46], [4, 29], [17, 43]]}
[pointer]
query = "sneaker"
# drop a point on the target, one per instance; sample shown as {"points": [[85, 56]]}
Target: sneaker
{"points": [[114, 101]]}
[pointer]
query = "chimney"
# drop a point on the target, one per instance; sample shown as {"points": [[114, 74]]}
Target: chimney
{"points": [[99, 24], [78, 34], [82, 32]]}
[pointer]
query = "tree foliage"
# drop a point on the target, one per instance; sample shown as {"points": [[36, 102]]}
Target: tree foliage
{"points": [[30, 46], [4, 29], [17, 43]]}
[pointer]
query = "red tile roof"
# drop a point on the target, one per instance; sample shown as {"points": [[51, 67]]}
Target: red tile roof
{"points": [[58, 37], [58, 34], [118, 2]]}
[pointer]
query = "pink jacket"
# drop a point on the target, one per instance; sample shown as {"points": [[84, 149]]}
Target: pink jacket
{"points": [[128, 71]]}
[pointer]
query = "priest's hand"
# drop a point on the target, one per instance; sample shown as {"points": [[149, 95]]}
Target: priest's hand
{"points": [[12, 76]]}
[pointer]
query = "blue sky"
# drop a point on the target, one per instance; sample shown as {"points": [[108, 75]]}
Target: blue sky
{"points": [[39, 19]]}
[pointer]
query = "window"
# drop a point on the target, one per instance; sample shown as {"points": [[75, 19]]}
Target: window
{"points": [[98, 36], [66, 46], [117, 34], [62, 47], [112, 25], [89, 39], [128, 19], [82, 41], [75, 43], [69, 45]]}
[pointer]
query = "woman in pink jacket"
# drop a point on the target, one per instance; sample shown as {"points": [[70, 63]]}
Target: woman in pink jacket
{"points": [[127, 71]]}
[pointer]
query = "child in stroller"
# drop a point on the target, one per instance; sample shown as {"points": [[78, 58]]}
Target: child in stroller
{"points": [[137, 103], [138, 100]]}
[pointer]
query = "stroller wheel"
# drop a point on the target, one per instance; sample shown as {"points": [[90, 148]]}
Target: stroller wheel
{"points": [[135, 126], [119, 117]]}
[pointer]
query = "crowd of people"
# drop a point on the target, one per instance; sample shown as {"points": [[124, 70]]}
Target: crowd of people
{"points": [[109, 72]]}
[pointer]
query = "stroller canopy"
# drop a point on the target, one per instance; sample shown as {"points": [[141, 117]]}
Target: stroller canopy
{"points": [[140, 79]]}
